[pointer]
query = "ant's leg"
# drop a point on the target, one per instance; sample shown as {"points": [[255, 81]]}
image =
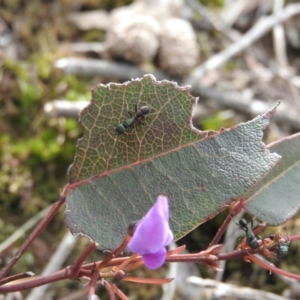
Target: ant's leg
{"points": [[128, 111], [259, 228], [127, 107]]}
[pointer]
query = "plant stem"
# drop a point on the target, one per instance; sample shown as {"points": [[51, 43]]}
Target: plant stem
{"points": [[38, 229]]}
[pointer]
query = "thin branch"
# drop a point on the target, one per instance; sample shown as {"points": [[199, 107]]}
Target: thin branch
{"points": [[93, 297], [115, 253], [278, 37], [75, 268], [173, 272], [233, 11], [236, 208], [284, 114], [133, 265], [34, 282], [229, 244], [215, 21], [148, 280], [93, 281], [38, 229], [94, 67], [65, 108], [210, 257], [22, 230], [272, 268], [234, 100], [219, 290], [110, 290], [88, 47], [119, 292], [263, 26], [58, 258], [16, 277], [284, 69]]}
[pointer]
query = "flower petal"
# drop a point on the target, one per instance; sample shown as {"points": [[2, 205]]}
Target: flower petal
{"points": [[152, 234], [155, 260]]}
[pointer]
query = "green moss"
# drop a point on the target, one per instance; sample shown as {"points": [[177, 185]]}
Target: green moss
{"points": [[213, 3], [216, 122]]}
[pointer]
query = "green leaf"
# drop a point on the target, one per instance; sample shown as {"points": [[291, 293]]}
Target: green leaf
{"points": [[276, 199], [114, 181], [168, 126]]}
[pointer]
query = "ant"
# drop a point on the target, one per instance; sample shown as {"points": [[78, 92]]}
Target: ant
{"points": [[252, 240], [279, 245], [136, 118], [275, 245]]}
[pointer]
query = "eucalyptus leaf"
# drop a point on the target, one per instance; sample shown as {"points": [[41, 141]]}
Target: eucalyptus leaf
{"points": [[114, 180], [276, 198]]}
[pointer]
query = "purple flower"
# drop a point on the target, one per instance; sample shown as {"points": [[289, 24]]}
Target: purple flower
{"points": [[152, 234]]}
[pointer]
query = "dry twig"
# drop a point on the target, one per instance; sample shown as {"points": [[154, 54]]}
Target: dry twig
{"points": [[263, 26]]}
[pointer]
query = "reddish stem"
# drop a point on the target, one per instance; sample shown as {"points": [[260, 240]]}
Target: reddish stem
{"points": [[37, 230], [134, 265], [236, 208], [36, 281], [210, 258], [85, 273], [272, 268], [16, 277], [148, 280], [237, 254], [93, 281], [114, 254], [294, 237], [110, 290], [75, 268], [119, 292]]}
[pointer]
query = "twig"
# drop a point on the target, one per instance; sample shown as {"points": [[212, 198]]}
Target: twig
{"points": [[232, 11], [16, 277], [235, 209], [22, 230], [58, 258], [214, 20], [284, 114], [93, 281], [14, 296], [110, 290], [293, 291], [210, 257], [232, 100], [257, 31], [278, 37], [88, 47], [173, 270], [115, 253], [118, 292], [77, 294], [231, 236], [65, 108], [93, 67], [272, 268], [93, 297], [219, 290], [75, 268], [284, 70], [38, 229], [36, 281]]}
